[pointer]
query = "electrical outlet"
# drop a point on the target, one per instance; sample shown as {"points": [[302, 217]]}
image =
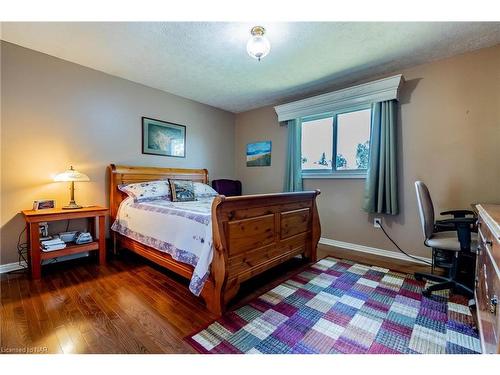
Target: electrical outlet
{"points": [[377, 222]]}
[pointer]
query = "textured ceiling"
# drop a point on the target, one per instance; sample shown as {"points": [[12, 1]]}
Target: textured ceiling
{"points": [[207, 62]]}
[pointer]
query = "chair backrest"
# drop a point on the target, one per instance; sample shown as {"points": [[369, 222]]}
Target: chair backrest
{"points": [[229, 188], [425, 209]]}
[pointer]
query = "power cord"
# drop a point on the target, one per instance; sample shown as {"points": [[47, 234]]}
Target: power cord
{"points": [[397, 246], [22, 251]]}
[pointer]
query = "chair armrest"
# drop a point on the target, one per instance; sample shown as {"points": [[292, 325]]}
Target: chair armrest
{"points": [[458, 221], [451, 224], [458, 213]]}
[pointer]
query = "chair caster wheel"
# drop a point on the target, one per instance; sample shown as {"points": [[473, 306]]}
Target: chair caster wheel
{"points": [[426, 293]]}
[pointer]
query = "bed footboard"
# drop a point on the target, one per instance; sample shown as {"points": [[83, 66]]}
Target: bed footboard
{"points": [[254, 233]]}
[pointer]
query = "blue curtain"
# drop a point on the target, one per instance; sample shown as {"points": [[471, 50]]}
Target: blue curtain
{"points": [[381, 189], [293, 166]]}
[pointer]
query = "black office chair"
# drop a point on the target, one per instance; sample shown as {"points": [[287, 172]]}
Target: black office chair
{"points": [[453, 236]]}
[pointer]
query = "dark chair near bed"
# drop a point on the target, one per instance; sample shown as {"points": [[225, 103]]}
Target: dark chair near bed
{"points": [[229, 188]]}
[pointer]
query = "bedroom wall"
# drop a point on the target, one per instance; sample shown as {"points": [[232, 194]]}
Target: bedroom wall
{"points": [[56, 114], [449, 137]]}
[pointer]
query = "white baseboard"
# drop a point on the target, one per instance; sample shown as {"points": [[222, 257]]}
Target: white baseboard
{"points": [[9, 267], [372, 250]]}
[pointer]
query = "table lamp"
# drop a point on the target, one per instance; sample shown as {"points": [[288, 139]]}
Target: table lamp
{"points": [[71, 175]]}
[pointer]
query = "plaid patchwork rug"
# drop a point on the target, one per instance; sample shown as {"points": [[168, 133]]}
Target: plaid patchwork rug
{"points": [[338, 306]]}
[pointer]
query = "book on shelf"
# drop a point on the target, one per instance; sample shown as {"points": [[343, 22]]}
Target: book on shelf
{"points": [[54, 241], [51, 245], [54, 247]]}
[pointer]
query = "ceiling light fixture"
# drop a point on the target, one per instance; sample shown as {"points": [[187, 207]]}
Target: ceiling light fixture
{"points": [[258, 46]]}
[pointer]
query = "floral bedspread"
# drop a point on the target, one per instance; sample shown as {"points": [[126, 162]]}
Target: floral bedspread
{"points": [[181, 229]]}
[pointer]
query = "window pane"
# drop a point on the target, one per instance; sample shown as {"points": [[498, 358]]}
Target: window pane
{"points": [[353, 140], [317, 144]]}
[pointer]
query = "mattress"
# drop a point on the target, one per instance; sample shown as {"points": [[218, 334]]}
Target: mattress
{"points": [[180, 229]]}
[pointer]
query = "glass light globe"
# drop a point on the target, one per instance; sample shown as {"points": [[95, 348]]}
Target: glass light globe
{"points": [[258, 46]]}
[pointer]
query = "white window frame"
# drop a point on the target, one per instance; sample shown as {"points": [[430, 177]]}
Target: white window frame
{"points": [[333, 172]]}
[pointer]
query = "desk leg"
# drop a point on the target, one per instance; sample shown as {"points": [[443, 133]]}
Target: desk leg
{"points": [[102, 240], [35, 251]]}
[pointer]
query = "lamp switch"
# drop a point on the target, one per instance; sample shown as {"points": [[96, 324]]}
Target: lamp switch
{"points": [[377, 222]]}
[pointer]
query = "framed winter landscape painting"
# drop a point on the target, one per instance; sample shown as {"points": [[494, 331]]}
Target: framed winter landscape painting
{"points": [[163, 138]]}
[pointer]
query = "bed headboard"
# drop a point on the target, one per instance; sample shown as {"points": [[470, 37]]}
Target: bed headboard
{"points": [[125, 174]]}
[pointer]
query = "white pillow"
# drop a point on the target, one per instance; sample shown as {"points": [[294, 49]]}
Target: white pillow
{"points": [[202, 190], [147, 191]]}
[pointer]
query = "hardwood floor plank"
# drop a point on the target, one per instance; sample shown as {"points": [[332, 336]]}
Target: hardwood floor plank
{"points": [[138, 305], [99, 339], [34, 324], [165, 302], [103, 298], [9, 337], [46, 342], [64, 313], [101, 321], [19, 319], [111, 285]]}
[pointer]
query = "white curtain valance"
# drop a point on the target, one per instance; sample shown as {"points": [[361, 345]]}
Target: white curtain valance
{"points": [[366, 93]]}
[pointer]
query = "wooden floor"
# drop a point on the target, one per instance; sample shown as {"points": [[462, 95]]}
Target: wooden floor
{"points": [[128, 306]]}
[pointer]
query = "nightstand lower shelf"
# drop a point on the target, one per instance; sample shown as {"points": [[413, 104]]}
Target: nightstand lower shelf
{"points": [[69, 250]]}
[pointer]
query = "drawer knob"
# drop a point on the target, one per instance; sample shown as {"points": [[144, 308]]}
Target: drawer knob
{"points": [[493, 304]]}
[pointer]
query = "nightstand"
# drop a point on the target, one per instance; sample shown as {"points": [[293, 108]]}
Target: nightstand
{"points": [[33, 218]]}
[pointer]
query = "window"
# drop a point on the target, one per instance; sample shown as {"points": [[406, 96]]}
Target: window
{"points": [[317, 150], [336, 145]]}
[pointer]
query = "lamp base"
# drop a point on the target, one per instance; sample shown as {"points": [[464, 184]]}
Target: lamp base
{"points": [[72, 206]]}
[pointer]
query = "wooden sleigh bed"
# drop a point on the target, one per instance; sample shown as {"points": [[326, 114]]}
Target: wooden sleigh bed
{"points": [[251, 233]]}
